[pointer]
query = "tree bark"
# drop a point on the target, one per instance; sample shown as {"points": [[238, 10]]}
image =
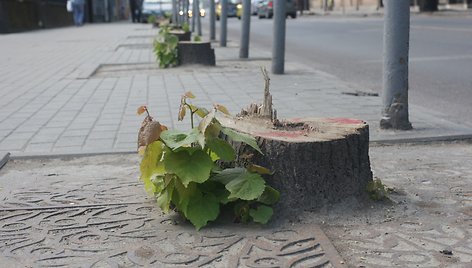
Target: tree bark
{"points": [[316, 162]]}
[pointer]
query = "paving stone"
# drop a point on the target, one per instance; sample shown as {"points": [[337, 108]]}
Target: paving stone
{"points": [[58, 90]]}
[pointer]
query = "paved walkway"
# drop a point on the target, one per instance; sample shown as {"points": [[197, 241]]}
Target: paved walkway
{"points": [[93, 212], [76, 90]]}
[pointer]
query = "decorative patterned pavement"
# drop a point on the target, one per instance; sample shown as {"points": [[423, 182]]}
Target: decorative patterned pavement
{"points": [[93, 212], [75, 91]]}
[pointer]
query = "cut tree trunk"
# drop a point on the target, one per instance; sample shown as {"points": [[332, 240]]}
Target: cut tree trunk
{"points": [[316, 162], [181, 35], [195, 53]]}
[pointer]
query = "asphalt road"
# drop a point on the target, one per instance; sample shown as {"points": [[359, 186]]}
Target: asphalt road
{"points": [[351, 48]]}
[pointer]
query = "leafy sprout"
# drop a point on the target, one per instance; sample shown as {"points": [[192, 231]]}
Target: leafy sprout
{"points": [[180, 169]]}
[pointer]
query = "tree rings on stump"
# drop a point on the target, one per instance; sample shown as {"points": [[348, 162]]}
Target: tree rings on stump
{"points": [[316, 161]]}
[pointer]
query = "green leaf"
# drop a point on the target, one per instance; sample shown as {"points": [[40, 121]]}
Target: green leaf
{"points": [[259, 169], [228, 175], [200, 111], [247, 186], [184, 195], [222, 148], [189, 166], [206, 121], [165, 197], [217, 189], [173, 137], [202, 209], [213, 130], [241, 137], [241, 210], [176, 139], [270, 196], [151, 165], [262, 214]]}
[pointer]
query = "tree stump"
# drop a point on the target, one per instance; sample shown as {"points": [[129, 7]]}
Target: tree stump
{"points": [[181, 35], [315, 161], [195, 53]]}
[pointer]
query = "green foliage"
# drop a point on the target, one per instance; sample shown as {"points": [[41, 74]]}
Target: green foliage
{"points": [[165, 48], [261, 214], [186, 27], [197, 38], [180, 169], [151, 19], [377, 190]]}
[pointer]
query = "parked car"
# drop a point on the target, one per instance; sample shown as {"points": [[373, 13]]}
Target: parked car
{"points": [[254, 6], [266, 9], [232, 8], [157, 8]]}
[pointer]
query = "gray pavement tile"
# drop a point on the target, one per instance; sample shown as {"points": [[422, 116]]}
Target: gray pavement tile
{"points": [[12, 144], [69, 141], [105, 128], [66, 148], [97, 134], [75, 132], [34, 97], [39, 147]]}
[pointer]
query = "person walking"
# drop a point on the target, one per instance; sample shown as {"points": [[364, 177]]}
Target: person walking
{"points": [[78, 10], [135, 7]]}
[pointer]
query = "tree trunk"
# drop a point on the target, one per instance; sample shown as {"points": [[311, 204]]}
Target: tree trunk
{"points": [[316, 162]]}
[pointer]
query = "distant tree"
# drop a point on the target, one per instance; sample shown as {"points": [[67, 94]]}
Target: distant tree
{"points": [[428, 5]]}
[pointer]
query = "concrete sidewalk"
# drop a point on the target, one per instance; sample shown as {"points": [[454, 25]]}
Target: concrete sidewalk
{"points": [[94, 212], [76, 90]]}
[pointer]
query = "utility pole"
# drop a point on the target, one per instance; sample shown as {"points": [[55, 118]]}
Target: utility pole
{"points": [[395, 65], [278, 44], [224, 22], [246, 25], [212, 20]]}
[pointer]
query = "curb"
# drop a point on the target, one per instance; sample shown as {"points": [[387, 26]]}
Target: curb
{"points": [[4, 160]]}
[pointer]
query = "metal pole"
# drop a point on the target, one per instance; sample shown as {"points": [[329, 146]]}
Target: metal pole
{"points": [[224, 22], [212, 20], [395, 65], [246, 25], [278, 44], [174, 12], [105, 6], [199, 22], [194, 14], [187, 8]]}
